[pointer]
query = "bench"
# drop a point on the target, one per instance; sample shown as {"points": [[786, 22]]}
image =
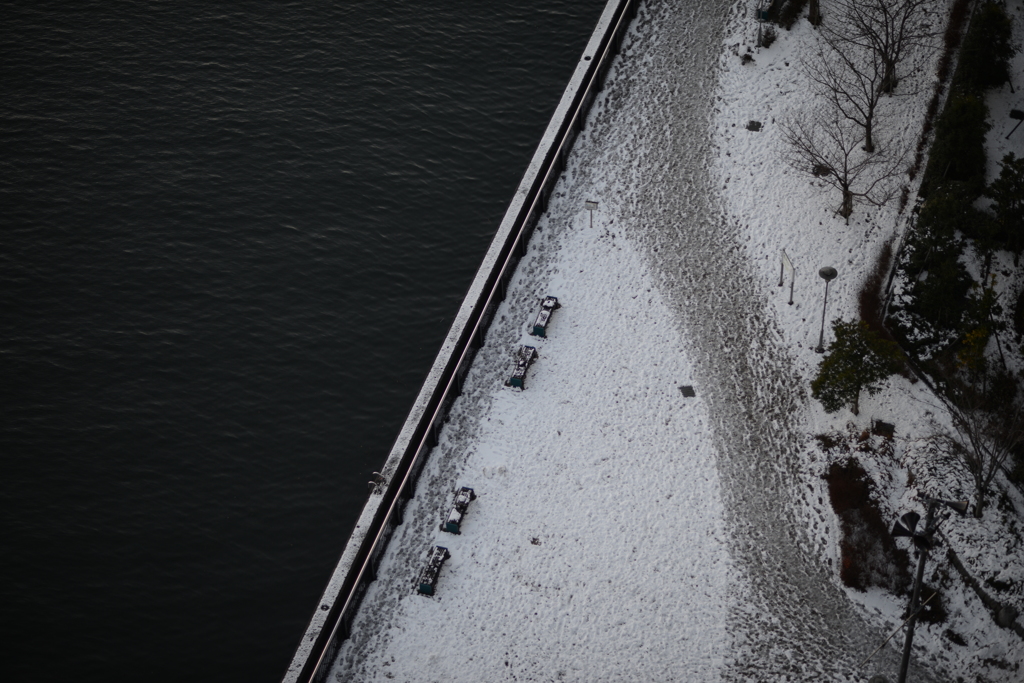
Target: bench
{"points": [[428, 577], [453, 522], [547, 306], [523, 358]]}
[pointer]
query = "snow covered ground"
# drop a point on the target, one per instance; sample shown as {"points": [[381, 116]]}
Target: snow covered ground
{"points": [[780, 209], [622, 531], [595, 545]]}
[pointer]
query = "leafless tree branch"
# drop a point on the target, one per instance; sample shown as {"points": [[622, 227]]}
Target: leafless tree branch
{"points": [[825, 145], [849, 76], [890, 28], [983, 436]]}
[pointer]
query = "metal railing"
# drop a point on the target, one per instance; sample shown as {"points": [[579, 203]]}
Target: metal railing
{"points": [[471, 338]]}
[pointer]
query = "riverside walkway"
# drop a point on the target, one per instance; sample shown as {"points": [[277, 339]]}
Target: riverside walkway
{"points": [[622, 530]]}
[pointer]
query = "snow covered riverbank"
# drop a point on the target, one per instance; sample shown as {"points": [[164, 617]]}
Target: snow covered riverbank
{"points": [[596, 547], [623, 531]]}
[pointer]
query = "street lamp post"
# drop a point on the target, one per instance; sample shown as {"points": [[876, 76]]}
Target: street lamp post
{"points": [[828, 273], [923, 540]]}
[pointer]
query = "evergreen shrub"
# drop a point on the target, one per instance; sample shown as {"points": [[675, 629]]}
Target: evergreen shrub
{"points": [[987, 51], [791, 12], [1018, 315], [950, 209], [1007, 191], [941, 283], [958, 152], [858, 359]]}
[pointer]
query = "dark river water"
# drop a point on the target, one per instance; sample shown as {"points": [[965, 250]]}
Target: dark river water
{"points": [[232, 242]]}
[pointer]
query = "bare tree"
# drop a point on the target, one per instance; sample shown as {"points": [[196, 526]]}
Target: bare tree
{"points": [[826, 145], [985, 432], [849, 75], [889, 27]]}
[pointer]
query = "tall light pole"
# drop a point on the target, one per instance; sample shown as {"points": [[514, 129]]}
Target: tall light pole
{"points": [[828, 274], [923, 540]]}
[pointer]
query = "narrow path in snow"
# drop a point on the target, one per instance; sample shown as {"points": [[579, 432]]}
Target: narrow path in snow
{"points": [[621, 531], [792, 622]]}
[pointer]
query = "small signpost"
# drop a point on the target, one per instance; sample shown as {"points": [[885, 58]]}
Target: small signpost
{"points": [[787, 266], [591, 207]]}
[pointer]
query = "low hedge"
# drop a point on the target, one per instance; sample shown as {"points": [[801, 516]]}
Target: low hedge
{"points": [[958, 152], [987, 51]]}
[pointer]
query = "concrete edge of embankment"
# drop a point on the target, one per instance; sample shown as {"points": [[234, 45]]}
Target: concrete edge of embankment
{"points": [[373, 517]]}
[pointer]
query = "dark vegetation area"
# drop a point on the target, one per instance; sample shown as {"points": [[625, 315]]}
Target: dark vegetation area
{"points": [[785, 13], [951, 41], [782, 13], [858, 360], [789, 12], [947, 318], [869, 555], [945, 304], [869, 298]]}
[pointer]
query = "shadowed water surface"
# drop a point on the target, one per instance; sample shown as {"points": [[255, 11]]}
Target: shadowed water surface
{"points": [[232, 244]]}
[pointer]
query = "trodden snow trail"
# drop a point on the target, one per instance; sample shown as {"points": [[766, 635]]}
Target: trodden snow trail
{"points": [[622, 532], [792, 622]]}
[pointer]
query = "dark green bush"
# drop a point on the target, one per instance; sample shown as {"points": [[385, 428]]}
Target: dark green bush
{"points": [[791, 12], [1002, 390], [857, 360], [940, 282], [947, 210], [941, 298], [950, 208], [958, 152], [987, 233], [773, 9], [955, 27], [1008, 193], [987, 51], [1018, 314]]}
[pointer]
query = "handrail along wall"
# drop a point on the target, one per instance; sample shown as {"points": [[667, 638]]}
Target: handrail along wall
{"points": [[320, 642]]}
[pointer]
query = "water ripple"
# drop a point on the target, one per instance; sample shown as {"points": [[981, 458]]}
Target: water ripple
{"points": [[233, 241]]}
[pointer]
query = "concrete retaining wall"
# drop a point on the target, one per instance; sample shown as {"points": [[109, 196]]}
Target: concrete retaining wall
{"points": [[332, 621]]}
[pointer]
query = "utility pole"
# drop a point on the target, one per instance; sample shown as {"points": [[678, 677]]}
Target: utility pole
{"points": [[923, 541], [916, 596]]}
